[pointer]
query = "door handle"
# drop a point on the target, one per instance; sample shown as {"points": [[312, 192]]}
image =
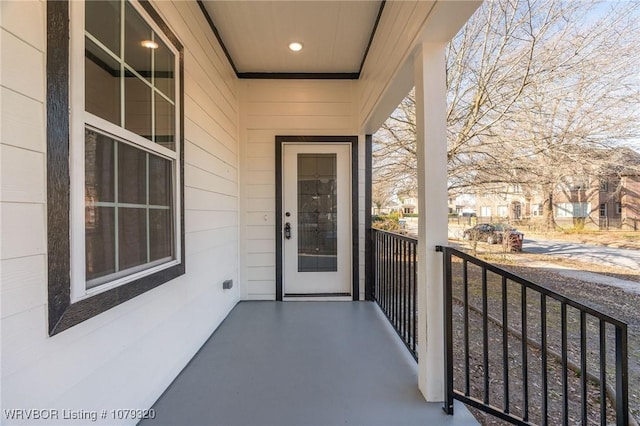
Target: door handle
{"points": [[287, 231]]}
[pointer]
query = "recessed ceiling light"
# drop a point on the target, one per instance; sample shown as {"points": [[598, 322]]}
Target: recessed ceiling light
{"points": [[295, 46], [149, 44]]}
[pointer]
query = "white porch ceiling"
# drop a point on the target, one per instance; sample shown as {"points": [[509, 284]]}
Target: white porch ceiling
{"points": [[256, 34]]}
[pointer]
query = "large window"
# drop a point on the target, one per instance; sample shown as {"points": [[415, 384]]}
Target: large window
{"points": [[537, 209], [572, 209], [124, 146], [603, 210], [128, 125]]}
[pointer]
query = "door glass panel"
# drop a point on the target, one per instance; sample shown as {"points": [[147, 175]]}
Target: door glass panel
{"points": [[317, 213]]}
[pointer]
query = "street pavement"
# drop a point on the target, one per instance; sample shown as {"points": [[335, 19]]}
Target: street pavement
{"points": [[608, 256]]}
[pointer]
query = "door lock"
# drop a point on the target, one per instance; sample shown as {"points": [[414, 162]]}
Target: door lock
{"points": [[287, 231]]}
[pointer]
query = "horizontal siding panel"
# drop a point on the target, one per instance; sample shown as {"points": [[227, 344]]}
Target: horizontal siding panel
{"points": [[260, 232], [261, 297], [21, 333], [261, 259], [261, 273], [203, 32], [23, 230], [22, 67], [299, 91], [261, 191], [261, 218], [214, 265], [208, 98], [198, 136], [264, 149], [261, 205], [22, 121], [197, 242], [260, 177], [199, 220], [212, 51], [225, 137], [22, 284], [262, 246], [302, 122], [265, 287], [299, 108], [402, 22], [198, 199], [261, 136], [202, 179], [261, 164], [201, 158], [70, 352], [216, 89], [22, 175], [25, 19]]}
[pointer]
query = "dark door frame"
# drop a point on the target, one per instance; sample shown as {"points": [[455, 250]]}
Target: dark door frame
{"points": [[355, 265]]}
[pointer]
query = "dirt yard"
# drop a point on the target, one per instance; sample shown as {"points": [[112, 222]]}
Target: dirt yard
{"points": [[622, 303]]}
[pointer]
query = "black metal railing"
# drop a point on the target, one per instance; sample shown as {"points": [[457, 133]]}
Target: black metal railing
{"points": [[529, 355], [394, 283]]}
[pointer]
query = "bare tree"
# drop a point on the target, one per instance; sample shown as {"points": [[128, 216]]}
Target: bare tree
{"points": [[532, 89], [394, 153], [580, 105]]}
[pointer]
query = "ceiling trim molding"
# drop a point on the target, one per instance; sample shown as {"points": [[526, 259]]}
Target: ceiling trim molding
{"points": [[300, 75], [373, 33], [292, 75], [217, 34]]}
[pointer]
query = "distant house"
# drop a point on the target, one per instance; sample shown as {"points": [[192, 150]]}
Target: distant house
{"points": [[591, 202], [507, 202], [408, 203], [609, 198], [630, 201]]}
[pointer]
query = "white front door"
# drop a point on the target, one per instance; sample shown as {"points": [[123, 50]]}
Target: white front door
{"points": [[316, 215]]}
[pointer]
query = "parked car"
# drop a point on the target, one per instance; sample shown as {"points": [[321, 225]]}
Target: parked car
{"points": [[495, 234]]}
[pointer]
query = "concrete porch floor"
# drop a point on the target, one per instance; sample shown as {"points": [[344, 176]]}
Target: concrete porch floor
{"points": [[301, 363]]}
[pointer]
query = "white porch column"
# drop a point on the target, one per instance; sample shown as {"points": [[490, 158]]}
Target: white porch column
{"points": [[431, 104]]}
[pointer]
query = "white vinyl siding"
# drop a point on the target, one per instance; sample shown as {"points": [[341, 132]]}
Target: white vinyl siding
{"points": [[284, 107], [112, 360], [399, 22]]}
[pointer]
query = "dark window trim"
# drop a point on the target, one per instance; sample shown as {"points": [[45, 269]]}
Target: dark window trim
{"points": [[293, 75], [62, 313], [353, 140]]}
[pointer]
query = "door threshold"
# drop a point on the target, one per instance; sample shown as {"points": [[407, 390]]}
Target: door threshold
{"points": [[318, 297]]}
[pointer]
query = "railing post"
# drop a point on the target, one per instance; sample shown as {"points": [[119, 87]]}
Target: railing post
{"points": [[622, 376], [448, 330]]}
